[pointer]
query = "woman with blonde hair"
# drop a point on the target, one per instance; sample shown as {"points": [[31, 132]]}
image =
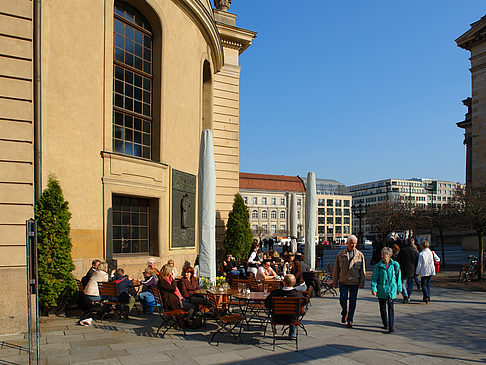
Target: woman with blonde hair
{"points": [[99, 276], [171, 296], [426, 268]]}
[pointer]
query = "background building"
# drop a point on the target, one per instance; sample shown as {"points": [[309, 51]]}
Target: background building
{"points": [[421, 192], [127, 87], [334, 205], [268, 200]]}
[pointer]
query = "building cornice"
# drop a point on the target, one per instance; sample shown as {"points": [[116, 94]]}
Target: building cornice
{"points": [[204, 20], [475, 35], [234, 37]]}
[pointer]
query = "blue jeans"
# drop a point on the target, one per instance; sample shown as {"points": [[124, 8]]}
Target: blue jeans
{"points": [[238, 272], [407, 287], [384, 303], [425, 281], [343, 299], [292, 331]]}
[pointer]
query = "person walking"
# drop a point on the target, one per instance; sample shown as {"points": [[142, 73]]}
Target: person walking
{"points": [[386, 283], [349, 272], [426, 268], [407, 258]]}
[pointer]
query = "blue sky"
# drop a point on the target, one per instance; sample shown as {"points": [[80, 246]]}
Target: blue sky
{"points": [[355, 90]]}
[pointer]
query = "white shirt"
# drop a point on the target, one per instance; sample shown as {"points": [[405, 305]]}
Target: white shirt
{"points": [[425, 266]]}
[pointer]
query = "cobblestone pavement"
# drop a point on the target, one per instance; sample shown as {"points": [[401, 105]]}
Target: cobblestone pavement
{"points": [[448, 330]]}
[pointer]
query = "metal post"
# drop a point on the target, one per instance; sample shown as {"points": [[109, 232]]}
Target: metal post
{"points": [[32, 289]]}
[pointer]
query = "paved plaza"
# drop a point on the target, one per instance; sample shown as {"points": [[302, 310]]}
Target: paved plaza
{"points": [[450, 329]]}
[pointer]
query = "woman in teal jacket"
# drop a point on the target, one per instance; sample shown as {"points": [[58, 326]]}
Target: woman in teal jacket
{"points": [[386, 283]]}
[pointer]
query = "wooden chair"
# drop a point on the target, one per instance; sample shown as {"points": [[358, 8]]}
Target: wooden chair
{"points": [[272, 285], [109, 290], [88, 306], [286, 311], [227, 322], [305, 307], [170, 318], [254, 284]]}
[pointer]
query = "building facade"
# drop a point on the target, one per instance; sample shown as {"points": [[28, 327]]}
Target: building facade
{"points": [[268, 200], [334, 210], [126, 90], [419, 191], [474, 41]]}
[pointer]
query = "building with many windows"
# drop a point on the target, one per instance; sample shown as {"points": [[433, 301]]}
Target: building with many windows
{"points": [[268, 200], [334, 205], [126, 89], [419, 191]]}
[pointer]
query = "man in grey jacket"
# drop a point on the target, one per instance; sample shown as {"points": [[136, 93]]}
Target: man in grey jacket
{"points": [[349, 272]]}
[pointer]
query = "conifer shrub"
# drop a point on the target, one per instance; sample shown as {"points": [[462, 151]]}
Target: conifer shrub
{"points": [[238, 238], [57, 285]]}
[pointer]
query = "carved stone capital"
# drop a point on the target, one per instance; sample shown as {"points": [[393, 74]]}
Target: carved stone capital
{"points": [[223, 5]]}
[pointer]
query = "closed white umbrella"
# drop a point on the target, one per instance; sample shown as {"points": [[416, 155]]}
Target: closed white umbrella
{"points": [[310, 221], [293, 223]]}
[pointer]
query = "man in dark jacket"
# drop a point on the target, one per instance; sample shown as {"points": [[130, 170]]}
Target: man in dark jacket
{"points": [[91, 271], [286, 291], [124, 285], [407, 258]]}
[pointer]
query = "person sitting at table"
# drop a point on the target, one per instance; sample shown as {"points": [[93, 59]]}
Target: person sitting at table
{"points": [[99, 276], [146, 297], [171, 263], [171, 296], [230, 267], [296, 270], [265, 272], [91, 271], [126, 293], [287, 290], [152, 263], [188, 286], [253, 260], [276, 257]]}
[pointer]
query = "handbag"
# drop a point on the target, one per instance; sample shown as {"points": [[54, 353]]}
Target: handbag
{"points": [[436, 263]]}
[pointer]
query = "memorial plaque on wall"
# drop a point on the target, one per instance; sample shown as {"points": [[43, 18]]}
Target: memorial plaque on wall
{"points": [[183, 210]]}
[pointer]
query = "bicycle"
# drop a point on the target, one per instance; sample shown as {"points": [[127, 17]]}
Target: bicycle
{"points": [[469, 270]]}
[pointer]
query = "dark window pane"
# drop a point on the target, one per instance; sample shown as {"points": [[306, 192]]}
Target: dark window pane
{"points": [[129, 90], [137, 150], [118, 146], [146, 97], [138, 37], [128, 121], [146, 126], [146, 139], [147, 54], [116, 216], [129, 46], [129, 32], [119, 27], [119, 100], [119, 86], [138, 80], [128, 135], [118, 54], [117, 246], [146, 84], [118, 118], [143, 245], [146, 152], [138, 50], [116, 232], [143, 233], [137, 124], [134, 220], [126, 203], [135, 233], [119, 41], [138, 63], [137, 93], [137, 107], [129, 76], [147, 41], [146, 110], [146, 67], [143, 220], [128, 104], [119, 10], [128, 148], [118, 133], [126, 218], [118, 73], [129, 59], [137, 137], [126, 246]]}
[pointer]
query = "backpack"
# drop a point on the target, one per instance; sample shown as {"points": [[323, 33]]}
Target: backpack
{"points": [[436, 263]]}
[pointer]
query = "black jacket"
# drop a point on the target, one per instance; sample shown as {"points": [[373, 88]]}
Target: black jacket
{"points": [[86, 278], [408, 259], [282, 293]]}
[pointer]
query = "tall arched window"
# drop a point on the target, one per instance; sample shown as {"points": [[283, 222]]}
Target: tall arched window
{"points": [[254, 214], [273, 214], [264, 214], [282, 214], [132, 82]]}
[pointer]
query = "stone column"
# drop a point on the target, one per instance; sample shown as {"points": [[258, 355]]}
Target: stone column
{"points": [[310, 221], [207, 207], [293, 223]]}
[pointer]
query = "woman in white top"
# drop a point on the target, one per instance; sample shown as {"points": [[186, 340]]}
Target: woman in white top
{"points": [[253, 260], [100, 275], [426, 268]]}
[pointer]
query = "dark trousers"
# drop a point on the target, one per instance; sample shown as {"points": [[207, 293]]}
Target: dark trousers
{"points": [[384, 303], [425, 281], [344, 291]]}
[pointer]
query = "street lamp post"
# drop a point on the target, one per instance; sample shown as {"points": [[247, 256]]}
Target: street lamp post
{"points": [[359, 211]]}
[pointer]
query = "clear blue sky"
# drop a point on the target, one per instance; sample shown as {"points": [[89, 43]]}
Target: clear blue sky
{"points": [[355, 90]]}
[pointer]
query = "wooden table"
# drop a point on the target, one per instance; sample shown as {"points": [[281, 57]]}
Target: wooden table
{"points": [[252, 307]]}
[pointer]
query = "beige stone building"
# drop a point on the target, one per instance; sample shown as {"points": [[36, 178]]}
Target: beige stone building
{"points": [[126, 89], [474, 40], [268, 200]]}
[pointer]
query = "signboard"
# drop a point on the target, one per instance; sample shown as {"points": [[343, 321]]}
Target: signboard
{"points": [[183, 210]]}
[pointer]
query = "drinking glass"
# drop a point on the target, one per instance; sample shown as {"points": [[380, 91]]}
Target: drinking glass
{"points": [[265, 288], [240, 288]]}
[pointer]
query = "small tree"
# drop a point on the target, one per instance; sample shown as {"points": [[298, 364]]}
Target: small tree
{"points": [[238, 237], [471, 205], [56, 282], [386, 217]]}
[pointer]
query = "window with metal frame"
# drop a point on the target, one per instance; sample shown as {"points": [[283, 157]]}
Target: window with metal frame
{"points": [[132, 82]]}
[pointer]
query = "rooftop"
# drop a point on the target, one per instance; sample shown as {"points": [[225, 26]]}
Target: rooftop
{"points": [[271, 182]]}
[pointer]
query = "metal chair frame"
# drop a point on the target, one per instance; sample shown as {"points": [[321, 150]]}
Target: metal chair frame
{"points": [[170, 318], [288, 307], [227, 322]]}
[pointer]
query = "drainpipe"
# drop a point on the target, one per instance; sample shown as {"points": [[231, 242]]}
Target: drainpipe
{"points": [[37, 101]]}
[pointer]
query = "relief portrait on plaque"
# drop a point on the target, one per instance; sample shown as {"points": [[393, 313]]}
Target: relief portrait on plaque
{"points": [[183, 210]]}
